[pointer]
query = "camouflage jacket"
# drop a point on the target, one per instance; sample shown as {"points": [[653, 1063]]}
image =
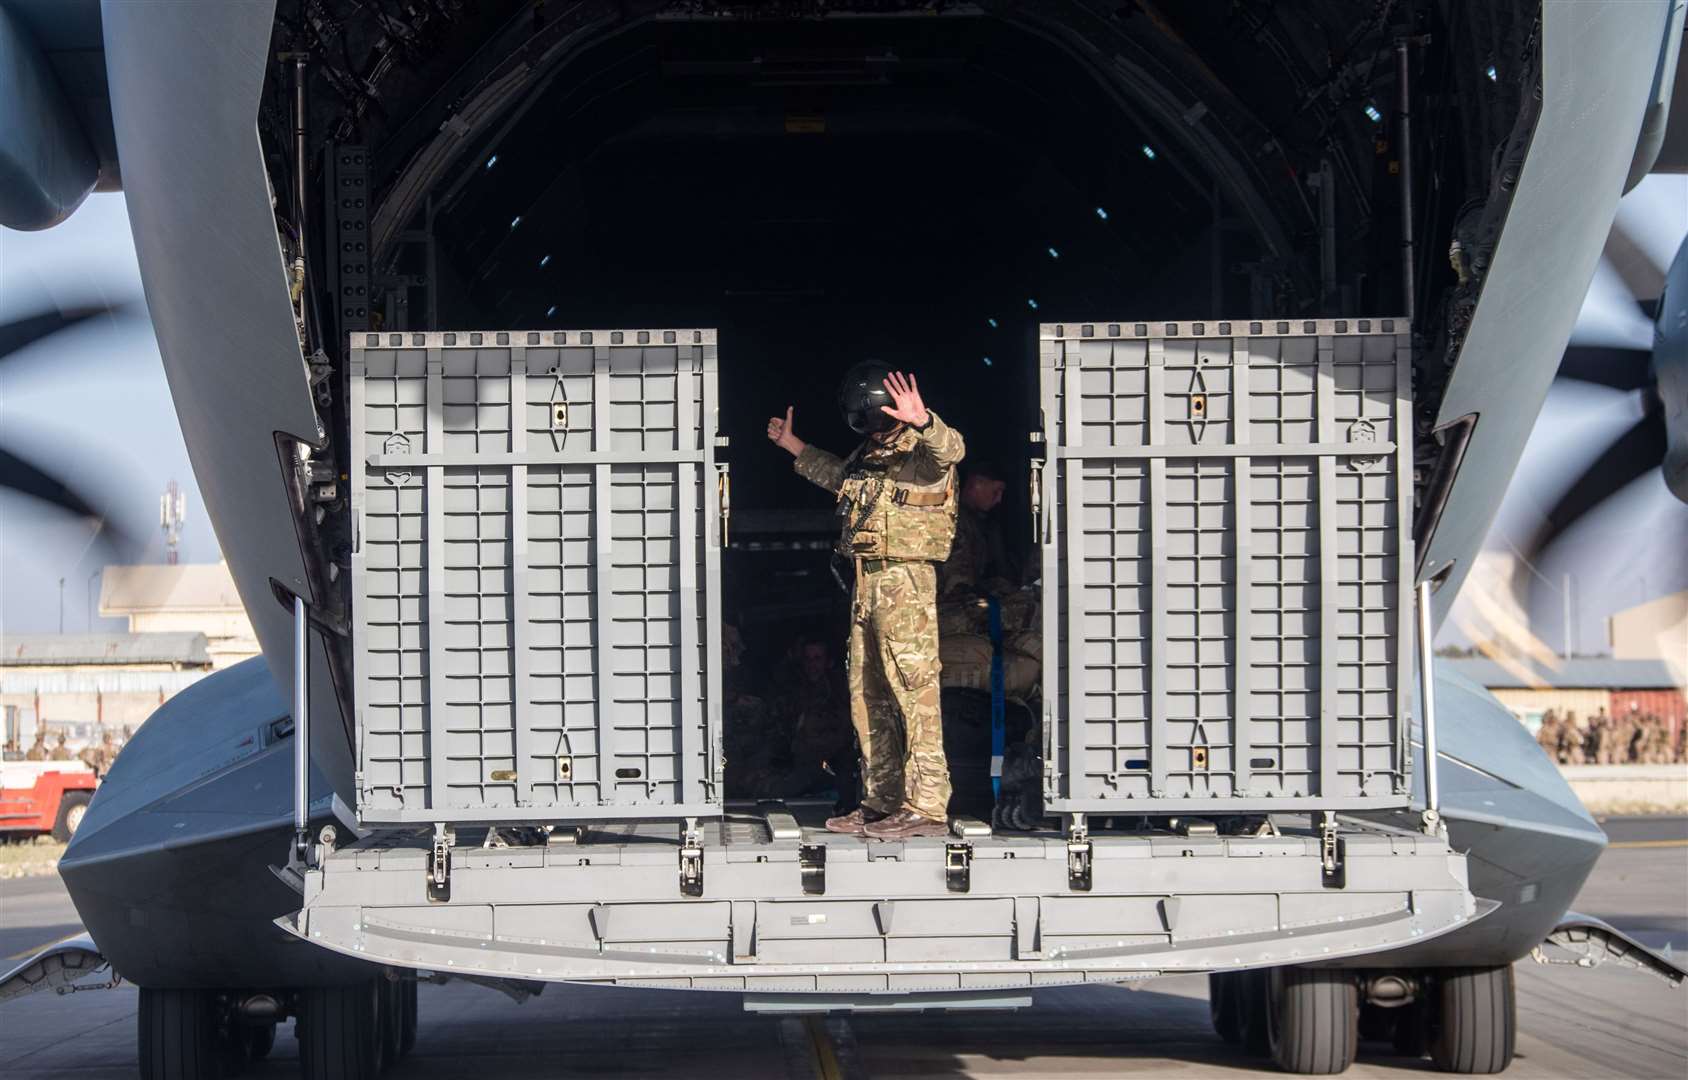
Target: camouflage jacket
{"points": [[896, 500]]}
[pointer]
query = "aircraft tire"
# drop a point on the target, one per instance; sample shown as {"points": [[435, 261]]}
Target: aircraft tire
{"points": [[1476, 1014], [1248, 990], [339, 1032], [1313, 1017], [392, 1021], [1222, 1006], [177, 1036], [407, 1033]]}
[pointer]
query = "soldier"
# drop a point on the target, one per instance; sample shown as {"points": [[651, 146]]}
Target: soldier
{"points": [[38, 749], [1571, 739], [746, 735], [897, 506], [100, 757], [977, 557], [976, 572], [61, 752], [814, 701], [1547, 735]]}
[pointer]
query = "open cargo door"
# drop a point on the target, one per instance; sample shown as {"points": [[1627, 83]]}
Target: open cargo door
{"points": [[536, 575], [1225, 515]]}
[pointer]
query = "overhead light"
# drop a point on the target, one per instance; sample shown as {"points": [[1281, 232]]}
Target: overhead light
{"points": [[992, 322], [1148, 151], [1373, 115], [987, 361], [1032, 304], [551, 312], [517, 220], [546, 261], [1491, 73], [1053, 254], [1101, 213], [491, 161]]}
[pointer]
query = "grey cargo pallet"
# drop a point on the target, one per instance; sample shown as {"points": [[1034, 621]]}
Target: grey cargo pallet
{"points": [[1226, 530], [820, 914], [536, 575]]}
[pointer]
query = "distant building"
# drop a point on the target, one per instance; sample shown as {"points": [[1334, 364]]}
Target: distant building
{"points": [[1584, 686], [188, 597], [1656, 630], [80, 683]]}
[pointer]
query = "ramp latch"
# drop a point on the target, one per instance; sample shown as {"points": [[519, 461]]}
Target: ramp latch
{"points": [[1078, 854], [691, 864], [1332, 855], [439, 865], [958, 867], [811, 865]]}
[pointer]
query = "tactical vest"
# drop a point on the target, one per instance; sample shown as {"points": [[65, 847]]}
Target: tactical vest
{"points": [[896, 503]]}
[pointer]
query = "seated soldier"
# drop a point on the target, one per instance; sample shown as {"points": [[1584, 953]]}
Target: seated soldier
{"points": [[977, 571], [814, 701], [747, 735]]}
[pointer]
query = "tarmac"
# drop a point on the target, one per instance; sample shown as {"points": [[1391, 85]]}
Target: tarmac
{"points": [[1605, 1022]]}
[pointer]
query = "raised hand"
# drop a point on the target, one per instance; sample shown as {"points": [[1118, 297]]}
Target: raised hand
{"points": [[782, 434], [905, 400]]}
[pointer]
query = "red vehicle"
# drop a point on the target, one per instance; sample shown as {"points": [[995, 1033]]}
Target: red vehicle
{"points": [[44, 797]]}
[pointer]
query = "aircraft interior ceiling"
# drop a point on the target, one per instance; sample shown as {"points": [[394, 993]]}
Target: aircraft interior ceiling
{"points": [[917, 182]]}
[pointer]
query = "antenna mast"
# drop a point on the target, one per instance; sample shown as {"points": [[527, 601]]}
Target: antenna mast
{"points": [[172, 511]]}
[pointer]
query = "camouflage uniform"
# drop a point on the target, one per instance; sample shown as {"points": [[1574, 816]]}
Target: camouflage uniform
{"points": [[897, 505], [38, 749], [965, 580]]}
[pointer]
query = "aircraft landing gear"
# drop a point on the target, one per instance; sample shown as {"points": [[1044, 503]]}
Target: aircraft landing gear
{"points": [[1474, 1020], [178, 1035], [1312, 1019], [355, 1032]]}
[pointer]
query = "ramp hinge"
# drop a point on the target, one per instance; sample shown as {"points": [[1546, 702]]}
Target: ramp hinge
{"points": [[958, 867], [439, 865], [1332, 854], [1078, 854], [811, 865], [691, 861]]}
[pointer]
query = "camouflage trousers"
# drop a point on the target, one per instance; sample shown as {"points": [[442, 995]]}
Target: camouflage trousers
{"points": [[894, 670]]}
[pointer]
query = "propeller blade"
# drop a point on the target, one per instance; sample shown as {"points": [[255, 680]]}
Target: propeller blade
{"points": [[17, 333], [21, 476], [1634, 452], [1620, 369]]}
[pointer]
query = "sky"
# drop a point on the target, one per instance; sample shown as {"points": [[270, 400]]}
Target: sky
{"points": [[90, 405]]}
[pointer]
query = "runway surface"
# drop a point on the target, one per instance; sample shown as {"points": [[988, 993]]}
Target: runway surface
{"points": [[1608, 1022]]}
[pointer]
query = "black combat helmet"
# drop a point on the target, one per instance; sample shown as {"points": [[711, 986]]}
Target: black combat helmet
{"points": [[861, 396]]}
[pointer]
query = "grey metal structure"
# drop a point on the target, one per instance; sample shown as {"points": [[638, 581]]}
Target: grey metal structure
{"points": [[1227, 529], [537, 575], [785, 908]]}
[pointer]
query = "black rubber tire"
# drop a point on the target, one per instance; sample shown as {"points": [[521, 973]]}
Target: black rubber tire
{"points": [[69, 803], [1249, 992], [1313, 1020], [177, 1035], [339, 1032], [1222, 1006], [392, 1021], [407, 1034], [1476, 1013]]}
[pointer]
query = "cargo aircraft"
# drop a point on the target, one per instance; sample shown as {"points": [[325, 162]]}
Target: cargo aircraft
{"points": [[1022, 202]]}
